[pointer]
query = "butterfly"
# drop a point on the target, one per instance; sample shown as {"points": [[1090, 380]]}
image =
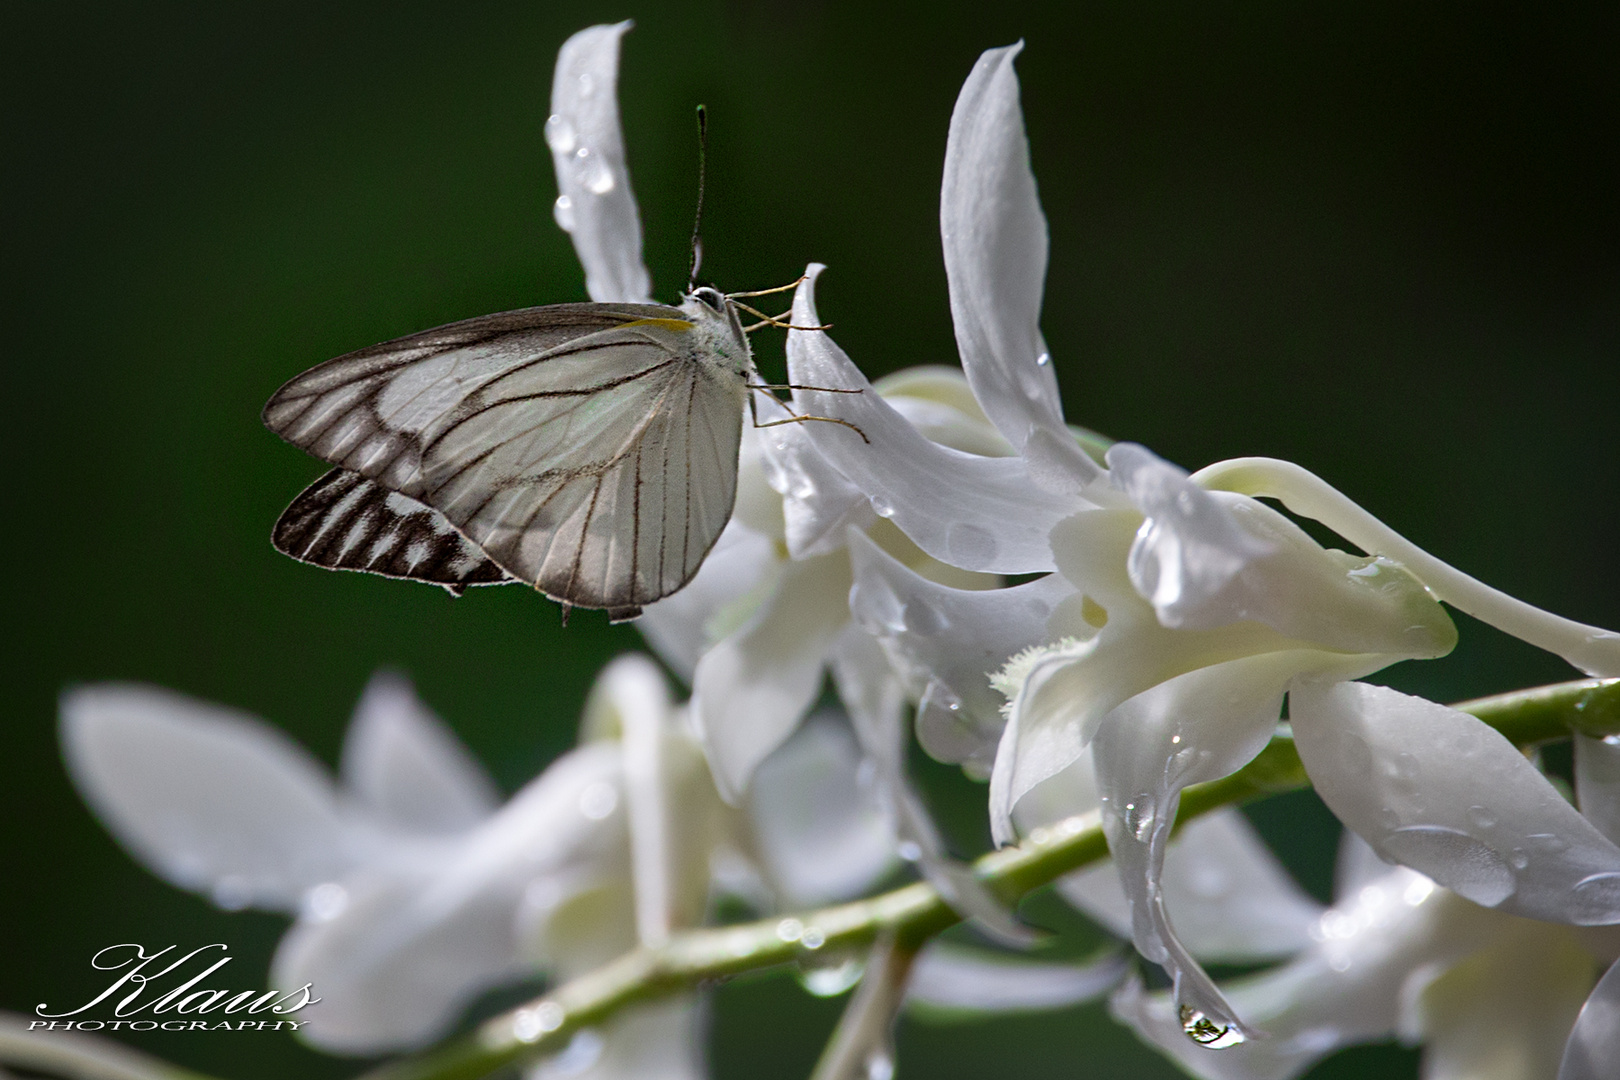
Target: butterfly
{"points": [[589, 450]]}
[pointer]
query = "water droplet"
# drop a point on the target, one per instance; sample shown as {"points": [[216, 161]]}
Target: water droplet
{"points": [[1518, 858], [1206, 1032], [830, 980], [1481, 817], [1039, 835], [790, 929], [740, 943], [598, 180], [1551, 843], [1454, 859], [583, 1051], [879, 1066], [233, 892], [587, 85], [882, 507], [598, 800], [529, 1024], [562, 211], [970, 544], [549, 1015], [1044, 359], [909, 850], [325, 902], [812, 938], [1139, 817], [1595, 900], [560, 134]]}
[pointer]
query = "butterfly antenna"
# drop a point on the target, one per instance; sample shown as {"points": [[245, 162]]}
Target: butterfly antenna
{"points": [[697, 220]]}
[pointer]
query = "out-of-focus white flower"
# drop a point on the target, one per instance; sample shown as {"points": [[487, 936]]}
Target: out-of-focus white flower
{"points": [[1487, 994], [1183, 609]]}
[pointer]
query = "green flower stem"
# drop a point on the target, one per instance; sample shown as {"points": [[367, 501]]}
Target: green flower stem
{"points": [[914, 913]]}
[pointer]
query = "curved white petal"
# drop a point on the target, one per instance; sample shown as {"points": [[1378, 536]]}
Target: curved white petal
{"points": [[594, 202], [822, 833], [396, 951], [875, 701], [739, 571], [1597, 782], [1207, 559], [818, 502], [206, 797], [954, 638], [1440, 791], [1357, 865], [1592, 649], [977, 513], [947, 978], [1594, 1043], [1196, 727], [655, 1040], [1504, 1013], [750, 690], [407, 767], [995, 260]]}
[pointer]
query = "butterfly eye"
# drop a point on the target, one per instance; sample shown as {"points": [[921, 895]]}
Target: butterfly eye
{"points": [[712, 298]]}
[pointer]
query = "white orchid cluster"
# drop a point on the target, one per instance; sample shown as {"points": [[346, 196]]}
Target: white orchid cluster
{"points": [[1174, 618]]}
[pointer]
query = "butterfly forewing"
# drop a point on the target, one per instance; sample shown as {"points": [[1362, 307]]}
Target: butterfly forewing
{"points": [[584, 448], [345, 522]]}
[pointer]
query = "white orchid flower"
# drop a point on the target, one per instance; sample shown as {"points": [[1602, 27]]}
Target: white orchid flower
{"points": [[1183, 610], [1487, 994], [757, 628]]}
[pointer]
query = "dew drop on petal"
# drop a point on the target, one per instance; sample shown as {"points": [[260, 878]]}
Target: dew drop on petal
{"points": [[232, 892], [1044, 359], [1481, 817], [812, 938], [598, 180], [1206, 1032], [560, 134], [598, 800], [587, 85], [1454, 859], [325, 902], [1595, 900], [882, 507], [1551, 843], [562, 211]]}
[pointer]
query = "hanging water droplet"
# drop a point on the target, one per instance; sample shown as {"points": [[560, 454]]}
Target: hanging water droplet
{"points": [[882, 507], [560, 134], [1139, 817], [562, 211], [830, 980], [1043, 359], [1206, 1032], [1454, 859]]}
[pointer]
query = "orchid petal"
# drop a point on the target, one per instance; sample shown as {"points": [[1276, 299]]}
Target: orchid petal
{"points": [[1207, 559], [406, 765], [739, 570], [875, 701], [955, 637], [655, 1040], [1478, 819], [1357, 865], [818, 502], [1199, 726], [822, 834], [206, 797], [1504, 1012], [973, 512], [399, 949], [1597, 782], [595, 205], [1594, 650], [995, 244], [939, 402], [665, 788], [751, 689], [951, 979], [1594, 1043]]}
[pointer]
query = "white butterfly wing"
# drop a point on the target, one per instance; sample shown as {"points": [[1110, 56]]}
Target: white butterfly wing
{"points": [[586, 448], [345, 522]]}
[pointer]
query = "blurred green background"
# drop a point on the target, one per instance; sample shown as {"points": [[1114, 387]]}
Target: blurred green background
{"points": [[1379, 239]]}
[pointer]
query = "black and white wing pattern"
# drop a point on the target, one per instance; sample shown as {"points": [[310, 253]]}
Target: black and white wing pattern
{"points": [[588, 449], [345, 522]]}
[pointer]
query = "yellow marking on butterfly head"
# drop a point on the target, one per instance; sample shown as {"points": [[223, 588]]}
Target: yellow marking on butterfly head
{"points": [[678, 326]]}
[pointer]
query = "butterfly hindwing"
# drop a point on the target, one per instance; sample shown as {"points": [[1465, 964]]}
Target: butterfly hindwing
{"points": [[345, 522], [583, 448]]}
